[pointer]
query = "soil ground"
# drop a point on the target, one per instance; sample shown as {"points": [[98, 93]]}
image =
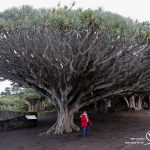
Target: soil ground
{"points": [[112, 131]]}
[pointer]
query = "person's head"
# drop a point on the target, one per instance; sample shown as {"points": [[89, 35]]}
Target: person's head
{"points": [[84, 112]]}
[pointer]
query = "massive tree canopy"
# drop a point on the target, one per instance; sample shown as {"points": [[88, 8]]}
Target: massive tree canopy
{"points": [[75, 65]]}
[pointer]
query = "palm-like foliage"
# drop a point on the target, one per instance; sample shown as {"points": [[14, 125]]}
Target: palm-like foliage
{"points": [[74, 57]]}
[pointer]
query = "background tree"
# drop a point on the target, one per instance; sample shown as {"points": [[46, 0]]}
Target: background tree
{"points": [[15, 88], [10, 101], [3, 94], [35, 101], [7, 91], [74, 57], [23, 99]]}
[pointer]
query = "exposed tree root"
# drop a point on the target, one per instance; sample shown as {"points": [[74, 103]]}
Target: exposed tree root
{"points": [[56, 129]]}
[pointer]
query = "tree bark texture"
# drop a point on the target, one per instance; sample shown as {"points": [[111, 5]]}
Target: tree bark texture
{"points": [[73, 69]]}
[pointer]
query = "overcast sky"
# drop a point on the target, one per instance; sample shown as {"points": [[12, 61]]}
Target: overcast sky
{"points": [[135, 9]]}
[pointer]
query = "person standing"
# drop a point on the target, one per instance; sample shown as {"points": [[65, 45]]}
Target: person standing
{"points": [[85, 122]]}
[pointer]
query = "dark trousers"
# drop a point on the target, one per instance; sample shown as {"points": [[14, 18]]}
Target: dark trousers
{"points": [[85, 131]]}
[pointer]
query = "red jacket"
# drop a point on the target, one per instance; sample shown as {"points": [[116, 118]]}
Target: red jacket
{"points": [[84, 122]]}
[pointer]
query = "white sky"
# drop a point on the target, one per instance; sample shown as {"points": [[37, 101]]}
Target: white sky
{"points": [[135, 9], [3, 85]]}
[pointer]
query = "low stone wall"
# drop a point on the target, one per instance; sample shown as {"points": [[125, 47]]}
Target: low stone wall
{"points": [[18, 122]]}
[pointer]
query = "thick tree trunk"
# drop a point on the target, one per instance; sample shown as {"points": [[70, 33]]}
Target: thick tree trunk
{"points": [[95, 107], [109, 103], [132, 102], [139, 103], [135, 104], [30, 107], [105, 106], [38, 106], [65, 122], [127, 102], [149, 102]]}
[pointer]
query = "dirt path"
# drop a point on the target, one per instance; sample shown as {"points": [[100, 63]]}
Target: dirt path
{"points": [[109, 132]]}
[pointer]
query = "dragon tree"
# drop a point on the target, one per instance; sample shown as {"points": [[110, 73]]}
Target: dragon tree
{"points": [[74, 57]]}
